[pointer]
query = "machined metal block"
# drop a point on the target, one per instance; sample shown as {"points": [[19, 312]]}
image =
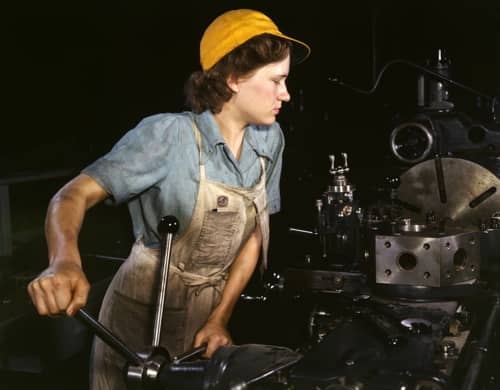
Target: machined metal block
{"points": [[427, 259]]}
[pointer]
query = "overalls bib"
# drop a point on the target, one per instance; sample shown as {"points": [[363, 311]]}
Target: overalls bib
{"points": [[224, 217]]}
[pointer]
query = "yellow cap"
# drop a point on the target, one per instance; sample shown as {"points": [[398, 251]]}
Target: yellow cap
{"points": [[233, 28]]}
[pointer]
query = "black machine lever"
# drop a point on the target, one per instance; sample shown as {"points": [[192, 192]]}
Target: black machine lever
{"points": [[108, 337]]}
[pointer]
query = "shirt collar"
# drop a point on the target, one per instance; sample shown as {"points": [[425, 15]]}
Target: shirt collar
{"points": [[209, 129], [212, 137], [257, 142]]}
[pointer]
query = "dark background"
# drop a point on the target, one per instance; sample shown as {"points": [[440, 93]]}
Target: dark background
{"points": [[80, 74], [77, 75]]}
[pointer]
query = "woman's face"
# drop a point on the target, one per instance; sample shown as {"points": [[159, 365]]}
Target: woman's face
{"points": [[258, 97]]}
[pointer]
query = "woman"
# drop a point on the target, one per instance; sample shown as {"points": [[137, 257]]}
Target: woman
{"points": [[215, 168]]}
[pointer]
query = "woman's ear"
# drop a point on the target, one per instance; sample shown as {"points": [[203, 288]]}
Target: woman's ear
{"points": [[232, 83]]}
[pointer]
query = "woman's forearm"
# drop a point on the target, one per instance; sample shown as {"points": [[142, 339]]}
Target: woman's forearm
{"points": [[239, 274], [65, 216]]}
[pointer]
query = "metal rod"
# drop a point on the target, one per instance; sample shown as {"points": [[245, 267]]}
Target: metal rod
{"points": [[481, 348], [302, 231], [189, 354], [109, 338], [482, 197], [438, 164], [160, 304], [167, 227]]}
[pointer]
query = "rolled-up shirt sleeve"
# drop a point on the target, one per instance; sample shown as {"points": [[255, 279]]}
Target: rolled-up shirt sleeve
{"points": [[138, 159]]}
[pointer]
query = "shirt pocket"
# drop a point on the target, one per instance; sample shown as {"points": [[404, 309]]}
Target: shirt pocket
{"points": [[216, 238]]}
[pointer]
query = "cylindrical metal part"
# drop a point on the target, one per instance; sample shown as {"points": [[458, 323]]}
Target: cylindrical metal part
{"points": [[167, 227]]}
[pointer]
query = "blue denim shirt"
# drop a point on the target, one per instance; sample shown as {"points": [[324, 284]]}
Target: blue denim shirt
{"points": [[155, 167]]}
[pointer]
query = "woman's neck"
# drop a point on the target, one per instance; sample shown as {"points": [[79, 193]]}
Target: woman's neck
{"points": [[232, 130]]}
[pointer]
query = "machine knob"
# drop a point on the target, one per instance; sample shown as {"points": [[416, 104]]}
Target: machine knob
{"points": [[168, 225]]}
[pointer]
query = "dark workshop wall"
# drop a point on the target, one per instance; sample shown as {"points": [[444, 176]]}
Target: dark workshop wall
{"points": [[80, 74]]}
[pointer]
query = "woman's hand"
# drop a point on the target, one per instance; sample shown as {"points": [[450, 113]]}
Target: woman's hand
{"points": [[215, 335], [61, 288]]}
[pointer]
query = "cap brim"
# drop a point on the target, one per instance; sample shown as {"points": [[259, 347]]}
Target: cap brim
{"points": [[300, 50]]}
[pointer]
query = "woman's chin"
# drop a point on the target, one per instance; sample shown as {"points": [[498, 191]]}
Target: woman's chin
{"points": [[269, 121]]}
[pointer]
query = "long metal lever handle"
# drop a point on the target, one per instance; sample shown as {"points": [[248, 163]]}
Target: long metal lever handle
{"points": [[168, 226], [189, 354], [109, 338]]}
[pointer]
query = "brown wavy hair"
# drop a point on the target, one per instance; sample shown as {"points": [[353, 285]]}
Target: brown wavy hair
{"points": [[209, 90]]}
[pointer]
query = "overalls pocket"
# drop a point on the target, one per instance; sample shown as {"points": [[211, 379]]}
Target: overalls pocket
{"points": [[216, 237]]}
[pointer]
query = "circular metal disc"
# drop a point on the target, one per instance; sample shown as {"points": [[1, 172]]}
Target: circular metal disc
{"points": [[471, 192]]}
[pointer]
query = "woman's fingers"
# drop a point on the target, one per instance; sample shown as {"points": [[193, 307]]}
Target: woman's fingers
{"points": [[65, 290], [80, 294], [43, 292]]}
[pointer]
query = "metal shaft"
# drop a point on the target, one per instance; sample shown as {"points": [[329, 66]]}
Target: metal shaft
{"points": [[480, 347], [167, 227], [109, 338], [438, 165]]}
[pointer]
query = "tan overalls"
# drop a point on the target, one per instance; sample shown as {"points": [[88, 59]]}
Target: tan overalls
{"points": [[224, 218]]}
